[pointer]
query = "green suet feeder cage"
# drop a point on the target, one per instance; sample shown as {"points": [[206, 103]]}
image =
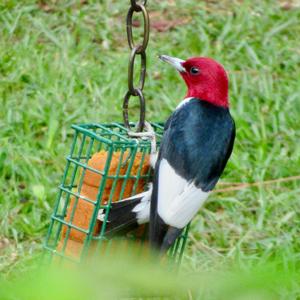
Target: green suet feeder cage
{"points": [[107, 163], [104, 165]]}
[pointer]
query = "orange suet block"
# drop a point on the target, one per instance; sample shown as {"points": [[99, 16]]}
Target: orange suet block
{"points": [[91, 182]]}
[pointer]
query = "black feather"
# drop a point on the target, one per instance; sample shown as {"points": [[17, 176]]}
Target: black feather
{"points": [[121, 218]]}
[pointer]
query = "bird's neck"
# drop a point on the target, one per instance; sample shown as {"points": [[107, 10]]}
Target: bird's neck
{"points": [[214, 94]]}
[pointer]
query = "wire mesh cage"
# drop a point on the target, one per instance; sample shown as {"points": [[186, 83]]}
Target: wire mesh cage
{"points": [[104, 166]]}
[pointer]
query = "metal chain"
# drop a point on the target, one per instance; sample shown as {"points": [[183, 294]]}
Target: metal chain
{"points": [[140, 50]]}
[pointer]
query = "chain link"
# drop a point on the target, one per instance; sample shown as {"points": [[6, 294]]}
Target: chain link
{"points": [[141, 123], [135, 5], [136, 49], [131, 87], [146, 28]]}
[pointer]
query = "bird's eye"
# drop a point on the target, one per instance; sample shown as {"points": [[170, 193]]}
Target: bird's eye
{"points": [[194, 71]]}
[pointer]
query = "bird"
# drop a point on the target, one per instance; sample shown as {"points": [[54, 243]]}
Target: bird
{"points": [[196, 145]]}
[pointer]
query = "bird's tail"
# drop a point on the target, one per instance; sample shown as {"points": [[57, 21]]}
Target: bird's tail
{"points": [[126, 215]]}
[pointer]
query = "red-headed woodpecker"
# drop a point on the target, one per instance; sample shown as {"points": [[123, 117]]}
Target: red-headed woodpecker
{"points": [[196, 145]]}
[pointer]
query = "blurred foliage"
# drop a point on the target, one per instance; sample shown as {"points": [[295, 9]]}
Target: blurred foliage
{"points": [[124, 277]]}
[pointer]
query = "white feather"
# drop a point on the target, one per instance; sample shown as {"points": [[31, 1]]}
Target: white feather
{"points": [[143, 194], [153, 159], [143, 208], [183, 102], [178, 200], [101, 215]]}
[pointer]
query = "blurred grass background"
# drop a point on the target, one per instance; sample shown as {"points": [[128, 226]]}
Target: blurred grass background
{"points": [[123, 276], [65, 62]]}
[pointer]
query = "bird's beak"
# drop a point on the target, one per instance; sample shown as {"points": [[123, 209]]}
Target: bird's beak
{"points": [[174, 61]]}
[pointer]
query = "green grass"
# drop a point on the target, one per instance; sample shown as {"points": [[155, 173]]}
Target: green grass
{"points": [[66, 63]]}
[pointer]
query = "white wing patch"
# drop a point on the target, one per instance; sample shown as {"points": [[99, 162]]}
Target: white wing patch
{"points": [[178, 200], [142, 210]]}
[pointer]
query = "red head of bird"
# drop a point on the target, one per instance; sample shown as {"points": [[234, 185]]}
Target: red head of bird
{"points": [[205, 78]]}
